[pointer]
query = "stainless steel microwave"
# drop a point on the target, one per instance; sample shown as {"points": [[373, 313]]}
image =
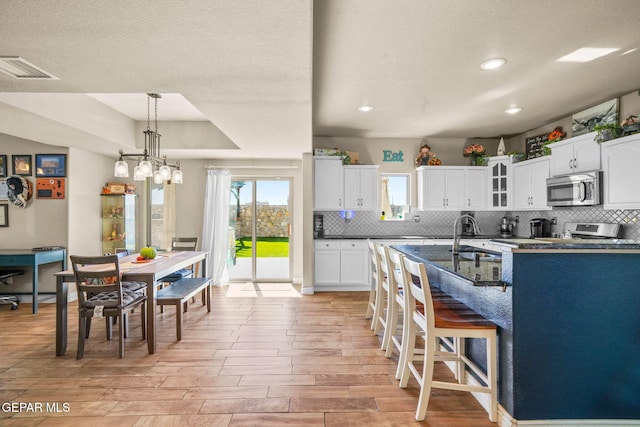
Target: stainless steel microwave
{"points": [[583, 189]]}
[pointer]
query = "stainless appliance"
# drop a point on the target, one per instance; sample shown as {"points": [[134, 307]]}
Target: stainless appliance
{"points": [[467, 221], [583, 189], [540, 227], [318, 226], [591, 230], [506, 227]]}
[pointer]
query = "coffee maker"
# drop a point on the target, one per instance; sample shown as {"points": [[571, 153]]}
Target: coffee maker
{"points": [[540, 227], [467, 225], [318, 226]]}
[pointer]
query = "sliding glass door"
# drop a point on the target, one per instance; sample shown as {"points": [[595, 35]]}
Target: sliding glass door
{"points": [[260, 223]]}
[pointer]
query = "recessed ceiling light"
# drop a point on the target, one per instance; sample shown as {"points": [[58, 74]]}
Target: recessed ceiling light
{"points": [[513, 110], [586, 54], [365, 108], [492, 64]]}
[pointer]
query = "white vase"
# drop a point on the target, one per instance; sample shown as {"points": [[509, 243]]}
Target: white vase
{"points": [[501, 149]]}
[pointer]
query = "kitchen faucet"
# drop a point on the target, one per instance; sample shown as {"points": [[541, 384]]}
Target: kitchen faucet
{"points": [[456, 236]]}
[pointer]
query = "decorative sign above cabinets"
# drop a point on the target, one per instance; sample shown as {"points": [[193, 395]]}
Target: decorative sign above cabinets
{"points": [[534, 146], [390, 156]]}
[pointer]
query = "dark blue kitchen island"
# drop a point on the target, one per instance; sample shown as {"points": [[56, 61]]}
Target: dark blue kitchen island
{"points": [[569, 326]]}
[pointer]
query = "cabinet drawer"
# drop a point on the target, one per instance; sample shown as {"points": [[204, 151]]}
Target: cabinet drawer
{"points": [[11, 260], [354, 245], [326, 245]]}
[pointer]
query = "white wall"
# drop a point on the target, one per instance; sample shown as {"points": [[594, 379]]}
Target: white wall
{"points": [[88, 173], [73, 222], [42, 222]]}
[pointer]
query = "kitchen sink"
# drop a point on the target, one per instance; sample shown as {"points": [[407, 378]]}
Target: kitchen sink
{"points": [[480, 255]]}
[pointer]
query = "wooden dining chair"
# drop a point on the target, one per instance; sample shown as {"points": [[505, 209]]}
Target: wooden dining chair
{"points": [[101, 294]]}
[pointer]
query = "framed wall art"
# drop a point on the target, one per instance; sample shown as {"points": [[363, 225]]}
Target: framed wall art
{"points": [[51, 165], [21, 164], [50, 188], [4, 215], [598, 115], [4, 189], [3, 166]]}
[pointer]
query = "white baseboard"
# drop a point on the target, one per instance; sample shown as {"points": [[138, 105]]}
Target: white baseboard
{"points": [[307, 290]]}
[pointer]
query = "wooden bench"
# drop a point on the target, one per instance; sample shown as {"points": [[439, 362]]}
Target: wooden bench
{"points": [[9, 299], [179, 292]]}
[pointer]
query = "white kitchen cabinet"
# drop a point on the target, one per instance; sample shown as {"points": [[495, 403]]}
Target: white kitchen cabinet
{"points": [[475, 189], [327, 262], [530, 184], [341, 265], [500, 182], [574, 155], [328, 183], [440, 188], [452, 188], [354, 263], [621, 172], [361, 188]]}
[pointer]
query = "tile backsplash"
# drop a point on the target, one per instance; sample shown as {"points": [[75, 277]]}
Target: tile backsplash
{"points": [[441, 223]]}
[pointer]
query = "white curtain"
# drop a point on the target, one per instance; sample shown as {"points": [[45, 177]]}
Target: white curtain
{"points": [[215, 228], [385, 202]]}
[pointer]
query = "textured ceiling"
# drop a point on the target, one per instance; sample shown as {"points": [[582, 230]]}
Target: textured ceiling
{"points": [[266, 75]]}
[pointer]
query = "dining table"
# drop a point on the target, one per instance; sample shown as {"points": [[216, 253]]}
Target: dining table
{"points": [[131, 269]]}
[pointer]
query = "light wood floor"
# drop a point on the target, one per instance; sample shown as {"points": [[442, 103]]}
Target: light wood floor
{"points": [[265, 356]]}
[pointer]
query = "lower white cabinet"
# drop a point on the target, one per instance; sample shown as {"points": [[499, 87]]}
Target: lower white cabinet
{"points": [[342, 265], [621, 172]]}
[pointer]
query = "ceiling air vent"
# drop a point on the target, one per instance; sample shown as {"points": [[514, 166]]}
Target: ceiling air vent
{"points": [[21, 69]]}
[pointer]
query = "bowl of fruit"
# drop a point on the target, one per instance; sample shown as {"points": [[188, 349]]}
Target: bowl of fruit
{"points": [[146, 254]]}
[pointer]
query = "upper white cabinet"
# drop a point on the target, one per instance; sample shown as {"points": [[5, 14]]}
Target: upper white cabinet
{"points": [[338, 187], [452, 187], [475, 188], [440, 188], [621, 172], [573, 155], [500, 192], [361, 187], [328, 183], [530, 184]]}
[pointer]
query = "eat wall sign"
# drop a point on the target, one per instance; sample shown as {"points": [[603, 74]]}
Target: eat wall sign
{"points": [[391, 156]]}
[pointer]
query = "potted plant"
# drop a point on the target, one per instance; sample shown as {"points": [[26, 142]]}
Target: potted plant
{"points": [[607, 132]]}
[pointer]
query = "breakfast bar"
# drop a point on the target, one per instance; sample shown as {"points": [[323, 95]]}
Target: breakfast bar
{"points": [[568, 323]]}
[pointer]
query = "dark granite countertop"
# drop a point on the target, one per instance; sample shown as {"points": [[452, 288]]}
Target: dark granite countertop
{"points": [[550, 243], [409, 236], [479, 266]]}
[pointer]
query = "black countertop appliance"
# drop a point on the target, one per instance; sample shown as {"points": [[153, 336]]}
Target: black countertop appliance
{"points": [[318, 226], [540, 227]]}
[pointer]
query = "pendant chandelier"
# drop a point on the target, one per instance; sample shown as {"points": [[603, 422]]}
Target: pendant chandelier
{"points": [[151, 164]]}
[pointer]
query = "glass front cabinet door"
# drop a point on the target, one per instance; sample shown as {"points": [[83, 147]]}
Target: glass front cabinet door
{"points": [[118, 223], [499, 182]]}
